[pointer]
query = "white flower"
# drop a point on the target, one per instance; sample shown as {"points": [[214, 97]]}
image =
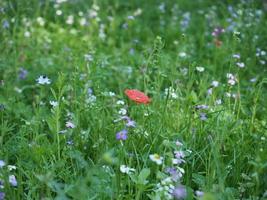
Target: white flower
{"points": [[126, 170], [182, 54], [40, 21], [122, 111], [200, 69], [69, 124], [120, 102], [156, 158], [58, 12], [53, 103], [27, 34], [11, 167], [231, 81], [228, 94], [240, 64], [88, 57], [42, 80], [237, 56], [70, 20], [82, 21], [215, 83], [218, 102]]}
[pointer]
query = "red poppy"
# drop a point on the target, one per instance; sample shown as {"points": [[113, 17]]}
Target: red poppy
{"points": [[137, 96]]}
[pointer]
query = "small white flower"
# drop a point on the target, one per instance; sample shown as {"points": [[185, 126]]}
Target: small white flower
{"points": [[83, 22], [88, 57], [40, 21], [11, 167], [215, 83], [122, 111], [58, 12], [70, 20], [231, 82], [178, 143], [27, 34], [120, 102], [228, 94], [236, 56], [42, 80], [126, 170], [182, 54], [200, 69], [156, 158], [218, 102], [240, 64], [253, 80], [53, 103], [69, 124]]}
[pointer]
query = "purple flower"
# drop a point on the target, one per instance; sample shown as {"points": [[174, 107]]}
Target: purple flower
{"points": [[5, 24], [199, 193], [217, 31], [2, 163], [13, 180], [122, 135], [2, 195], [130, 123], [203, 116], [22, 73], [179, 192], [175, 175]]}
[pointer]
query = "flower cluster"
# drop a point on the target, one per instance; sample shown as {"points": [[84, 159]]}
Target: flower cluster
{"points": [[11, 177], [171, 185]]}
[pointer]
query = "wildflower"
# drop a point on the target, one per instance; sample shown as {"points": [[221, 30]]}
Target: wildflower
{"points": [[202, 107], [236, 56], [12, 180], [156, 158], [217, 31], [42, 80], [126, 170], [179, 192], [70, 20], [69, 124], [53, 103], [122, 111], [253, 80], [130, 123], [215, 83], [27, 34], [22, 73], [2, 195], [40, 21], [122, 135], [203, 116], [137, 96], [199, 193], [70, 142], [182, 54], [240, 64], [209, 92], [2, 163], [178, 143], [58, 12], [11, 167], [120, 102], [88, 57], [200, 69], [218, 102]]}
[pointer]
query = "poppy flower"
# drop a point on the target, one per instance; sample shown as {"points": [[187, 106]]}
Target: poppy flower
{"points": [[137, 96]]}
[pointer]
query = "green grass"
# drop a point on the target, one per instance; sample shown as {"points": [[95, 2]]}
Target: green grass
{"points": [[224, 144]]}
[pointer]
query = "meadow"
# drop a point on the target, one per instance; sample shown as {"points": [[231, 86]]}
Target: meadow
{"points": [[137, 99]]}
